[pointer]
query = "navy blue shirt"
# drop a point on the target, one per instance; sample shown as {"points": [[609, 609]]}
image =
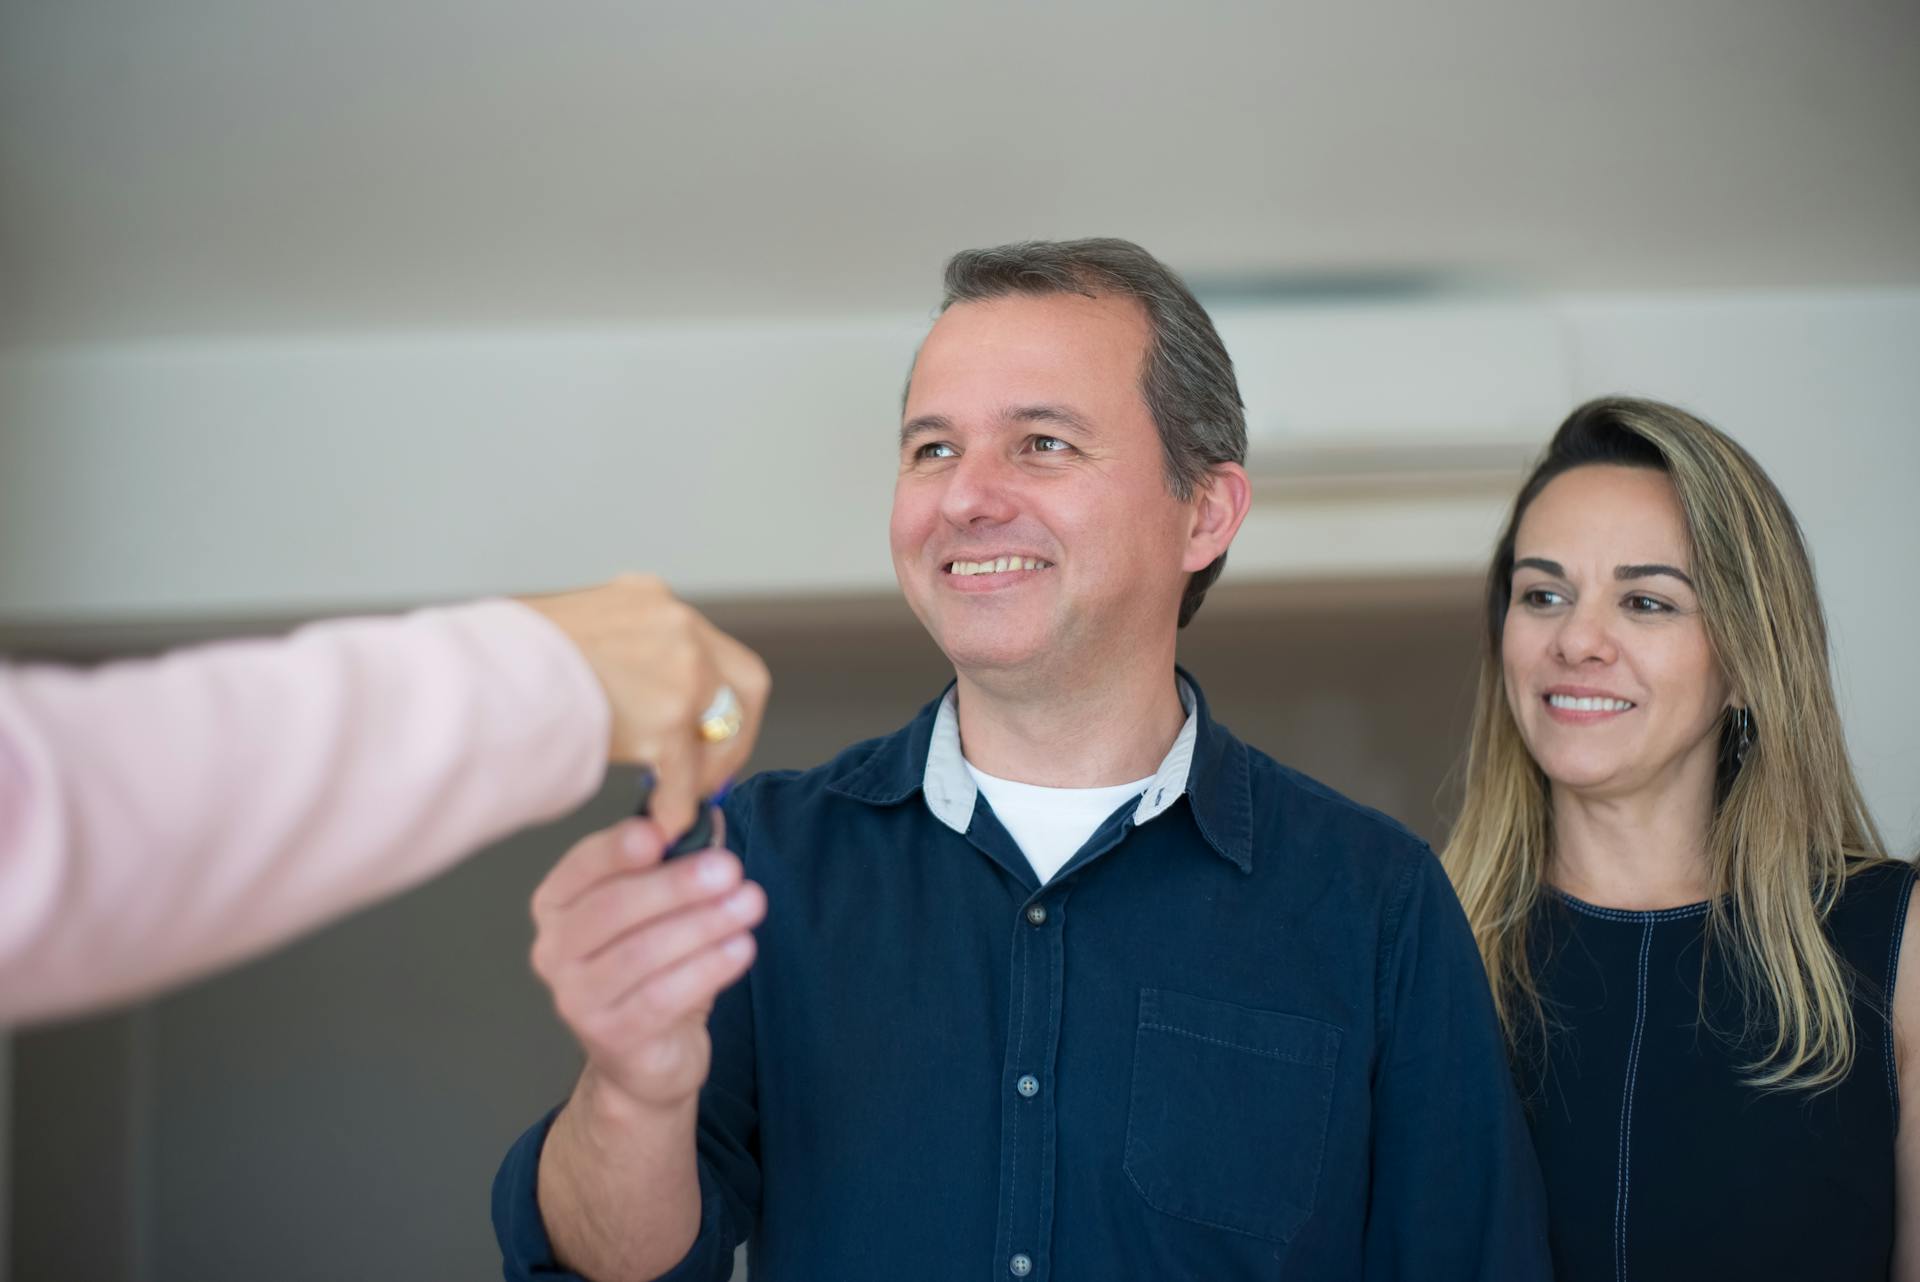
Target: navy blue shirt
{"points": [[1242, 1034]]}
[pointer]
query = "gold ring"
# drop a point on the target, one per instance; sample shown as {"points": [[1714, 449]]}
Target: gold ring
{"points": [[723, 718]]}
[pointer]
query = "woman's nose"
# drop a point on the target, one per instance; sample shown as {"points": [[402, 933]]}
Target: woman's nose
{"points": [[1584, 636]]}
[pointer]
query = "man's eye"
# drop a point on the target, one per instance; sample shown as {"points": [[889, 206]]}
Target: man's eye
{"points": [[934, 449], [1050, 445]]}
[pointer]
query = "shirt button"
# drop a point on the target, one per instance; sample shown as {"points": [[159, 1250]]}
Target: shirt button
{"points": [[1029, 1086], [1036, 916], [1019, 1266]]}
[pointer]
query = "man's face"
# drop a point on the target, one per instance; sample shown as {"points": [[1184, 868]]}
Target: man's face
{"points": [[1027, 448]]}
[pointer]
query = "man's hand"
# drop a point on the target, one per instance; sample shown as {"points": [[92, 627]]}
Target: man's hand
{"points": [[661, 664], [635, 951]]}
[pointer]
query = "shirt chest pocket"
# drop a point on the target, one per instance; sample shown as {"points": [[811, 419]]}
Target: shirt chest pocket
{"points": [[1228, 1119]]}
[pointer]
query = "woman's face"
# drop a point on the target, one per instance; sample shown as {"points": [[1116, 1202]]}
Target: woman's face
{"points": [[1609, 672]]}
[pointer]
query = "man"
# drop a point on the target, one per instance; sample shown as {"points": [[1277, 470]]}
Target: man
{"points": [[1061, 981]]}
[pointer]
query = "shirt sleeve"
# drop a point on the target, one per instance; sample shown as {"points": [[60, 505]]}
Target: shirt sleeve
{"points": [[1456, 1188], [527, 1253], [728, 1140], [164, 817]]}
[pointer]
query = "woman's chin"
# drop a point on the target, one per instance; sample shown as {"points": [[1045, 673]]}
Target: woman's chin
{"points": [[1588, 778]]}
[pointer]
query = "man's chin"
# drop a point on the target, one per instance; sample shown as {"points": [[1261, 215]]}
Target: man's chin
{"points": [[976, 652]]}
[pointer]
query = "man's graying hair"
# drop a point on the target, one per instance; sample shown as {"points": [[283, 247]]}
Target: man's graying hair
{"points": [[1187, 376]]}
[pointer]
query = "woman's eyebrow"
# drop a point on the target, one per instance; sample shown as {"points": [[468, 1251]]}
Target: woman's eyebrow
{"points": [[1623, 572]]}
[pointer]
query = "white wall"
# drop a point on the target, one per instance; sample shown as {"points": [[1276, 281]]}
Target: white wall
{"points": [[280, 478], [755, 460], [289, 476]]}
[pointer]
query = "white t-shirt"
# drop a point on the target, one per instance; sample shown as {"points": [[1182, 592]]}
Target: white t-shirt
{"points": [[1051, 824]]}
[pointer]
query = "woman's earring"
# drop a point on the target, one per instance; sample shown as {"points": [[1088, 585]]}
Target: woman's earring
{"points": [[1743, 735]]}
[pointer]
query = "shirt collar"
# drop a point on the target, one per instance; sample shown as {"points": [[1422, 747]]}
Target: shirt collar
{"points": [[1206, 764]]}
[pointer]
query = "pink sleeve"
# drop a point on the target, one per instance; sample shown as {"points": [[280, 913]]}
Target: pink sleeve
{"points": [[164, 817]]}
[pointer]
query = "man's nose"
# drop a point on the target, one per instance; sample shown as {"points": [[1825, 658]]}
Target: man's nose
{"points": [[1585, 635], [980, 490]]}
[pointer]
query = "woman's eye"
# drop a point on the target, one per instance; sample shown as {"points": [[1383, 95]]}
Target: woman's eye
{"points": [[1541, 598], [1640, 603]]}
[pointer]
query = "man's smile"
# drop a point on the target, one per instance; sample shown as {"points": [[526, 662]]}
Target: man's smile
{"points": [[997, 565]]}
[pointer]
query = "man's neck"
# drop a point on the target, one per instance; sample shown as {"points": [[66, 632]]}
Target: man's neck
{"points": [[1111, 730]]}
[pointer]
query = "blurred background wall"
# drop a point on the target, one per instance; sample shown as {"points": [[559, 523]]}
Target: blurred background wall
{"points": [[362, 306]]}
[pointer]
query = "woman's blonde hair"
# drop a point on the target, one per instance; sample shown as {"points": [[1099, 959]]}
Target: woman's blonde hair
{"points": [[1789, 822]]}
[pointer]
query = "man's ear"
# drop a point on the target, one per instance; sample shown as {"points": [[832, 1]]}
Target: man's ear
{"points": [[1220, 502]]}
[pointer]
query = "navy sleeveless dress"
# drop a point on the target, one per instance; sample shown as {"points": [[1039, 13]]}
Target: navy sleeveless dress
{"points": [[1660, 1163]]}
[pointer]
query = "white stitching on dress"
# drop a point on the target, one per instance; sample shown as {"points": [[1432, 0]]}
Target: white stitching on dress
{"points": [[1893, 974], [1623, 1178], [1627, 914]]}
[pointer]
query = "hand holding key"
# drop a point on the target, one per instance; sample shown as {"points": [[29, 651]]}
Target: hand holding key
{"points": [[686, 698], [635, 948]]}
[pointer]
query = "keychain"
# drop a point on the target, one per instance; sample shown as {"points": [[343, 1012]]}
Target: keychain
{"points": [[698, 837]]}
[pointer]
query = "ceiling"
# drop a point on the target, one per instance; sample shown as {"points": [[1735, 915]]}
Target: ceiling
{"points": [[201, 167]]}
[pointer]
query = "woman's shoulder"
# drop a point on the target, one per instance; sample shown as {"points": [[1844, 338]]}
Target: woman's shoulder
{"points": [[1869, 917], [1870, 883]]}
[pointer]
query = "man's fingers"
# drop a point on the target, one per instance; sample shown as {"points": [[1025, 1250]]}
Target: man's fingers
{"points": [[626, 846], [686, 988], [640, 1035], [638, 955], [616, 905]]}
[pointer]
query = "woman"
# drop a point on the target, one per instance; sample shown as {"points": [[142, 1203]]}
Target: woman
{"points": [[1691, 933]]}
